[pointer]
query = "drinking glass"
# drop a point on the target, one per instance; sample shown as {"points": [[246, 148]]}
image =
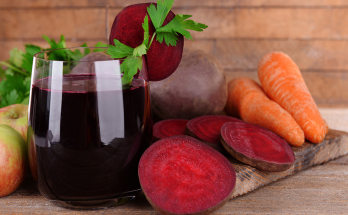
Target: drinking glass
{"points": [[87, 130]]}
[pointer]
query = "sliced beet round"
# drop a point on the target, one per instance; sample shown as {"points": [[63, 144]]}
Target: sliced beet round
{"points": [[168, 128], [181, 175], [162, 60], [257, 146], [207, 129]]}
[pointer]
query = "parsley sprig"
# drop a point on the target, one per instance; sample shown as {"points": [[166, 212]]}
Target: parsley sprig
{"points": [[169, 33], [16, 78]]}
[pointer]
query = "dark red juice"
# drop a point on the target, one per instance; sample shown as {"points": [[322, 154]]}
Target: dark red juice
{"points": [[89, 133]]}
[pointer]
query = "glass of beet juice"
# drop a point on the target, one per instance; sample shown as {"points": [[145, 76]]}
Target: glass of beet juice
{"points": [[87, 130]]}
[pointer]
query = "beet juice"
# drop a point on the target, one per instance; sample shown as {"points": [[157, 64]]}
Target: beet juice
{"points": [[90, 133]]}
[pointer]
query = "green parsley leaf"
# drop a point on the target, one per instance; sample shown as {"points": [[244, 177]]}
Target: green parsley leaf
{"points": [[9, 71], [129, 68], [146, 31], [27, 61], [12, 97], [179, 25], [60, 54], [170, 38], [159, 15], [2, 72], [16, 82], [32, 49], [16, 57], [86, 51], [99, 44], [9, 98], [119, 50], [49, 41], [139, 51]]}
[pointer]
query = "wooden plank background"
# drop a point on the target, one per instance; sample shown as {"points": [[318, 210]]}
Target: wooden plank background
{"points": [[313, 32]]}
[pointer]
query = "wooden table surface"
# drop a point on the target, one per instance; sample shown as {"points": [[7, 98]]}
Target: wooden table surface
{"points": [[319, 190]]}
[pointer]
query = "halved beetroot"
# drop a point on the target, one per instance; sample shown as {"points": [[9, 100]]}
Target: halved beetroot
{"points": [[162, 60], [181, 175], [257, 146], [168, 128], [207, 129]]}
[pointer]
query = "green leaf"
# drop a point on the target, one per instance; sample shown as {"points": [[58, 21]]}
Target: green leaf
{"points": [[15, 82], [32, 49], [27, 85], [119, 50], [11, 97], [10, 72], [2, 73], [129, 68], [27, 58], [59, 54], [159, 15], [152, 11], [16, 57], [139, 51], [146, 31], [27, 63], [49, 41], [100, 44], [170, 38], [179, 25], [61, 43]]}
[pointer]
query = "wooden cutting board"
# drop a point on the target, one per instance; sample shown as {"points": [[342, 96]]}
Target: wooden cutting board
{"points": [[308, 155]]}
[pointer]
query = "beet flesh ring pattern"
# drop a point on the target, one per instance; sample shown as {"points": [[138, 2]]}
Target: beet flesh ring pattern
{"points": [[168, 128], [162, 60], [257, 146], [207, 129], [181, 175]]}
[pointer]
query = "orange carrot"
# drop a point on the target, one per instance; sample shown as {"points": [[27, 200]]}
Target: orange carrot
{"points": [[282, 81], [247, 99]]}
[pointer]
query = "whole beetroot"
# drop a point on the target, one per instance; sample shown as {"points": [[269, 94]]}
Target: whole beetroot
{"points": [[198, 87]]}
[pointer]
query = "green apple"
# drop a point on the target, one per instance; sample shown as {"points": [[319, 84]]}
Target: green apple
{"points": [[13, 159], [16, 116]]}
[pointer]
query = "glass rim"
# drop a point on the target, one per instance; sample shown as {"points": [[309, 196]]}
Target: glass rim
{"points": [[46, 51]]}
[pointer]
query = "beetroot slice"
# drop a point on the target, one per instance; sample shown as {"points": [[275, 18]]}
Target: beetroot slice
{"points": [[257, 146], [181, 175], [207, 129], [162, 60], [168, 128]]}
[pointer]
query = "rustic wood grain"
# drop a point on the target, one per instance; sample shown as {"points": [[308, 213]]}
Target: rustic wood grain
{"points": [[33, 23], [318, 190], [318, 55], [278, 23], [178, 3], [270, 22]]}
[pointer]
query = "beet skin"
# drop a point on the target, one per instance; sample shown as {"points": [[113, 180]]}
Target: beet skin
{"points": [[198, 87], [181, 175], [162, 60]]}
